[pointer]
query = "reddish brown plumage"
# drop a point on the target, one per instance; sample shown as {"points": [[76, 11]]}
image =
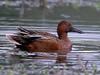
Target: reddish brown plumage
{"points": [[51, 43]]}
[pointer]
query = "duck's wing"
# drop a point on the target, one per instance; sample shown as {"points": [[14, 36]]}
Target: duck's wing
{"points": [[36, 32], [40, 43]]}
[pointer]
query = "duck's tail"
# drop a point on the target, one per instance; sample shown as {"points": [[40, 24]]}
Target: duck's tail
{"points": [[20, 41], [13, 39]]}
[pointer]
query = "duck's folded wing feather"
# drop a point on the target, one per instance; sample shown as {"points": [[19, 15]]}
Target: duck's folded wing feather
{"points": [[25, 30]]}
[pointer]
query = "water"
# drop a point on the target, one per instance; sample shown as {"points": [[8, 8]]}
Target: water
{"points": [[85, 52]]}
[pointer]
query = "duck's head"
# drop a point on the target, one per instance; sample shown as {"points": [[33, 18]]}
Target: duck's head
{"points": [[65, 27]]}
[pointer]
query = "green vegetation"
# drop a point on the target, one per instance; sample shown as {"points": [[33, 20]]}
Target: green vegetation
{"points": [[55, 13], [8, 12]]}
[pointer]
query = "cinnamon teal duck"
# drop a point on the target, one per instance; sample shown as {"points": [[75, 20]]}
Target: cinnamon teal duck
{"points": [[27, 40]]}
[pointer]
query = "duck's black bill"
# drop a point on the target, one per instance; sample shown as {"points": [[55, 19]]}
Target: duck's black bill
{"points": [[76, 30]]}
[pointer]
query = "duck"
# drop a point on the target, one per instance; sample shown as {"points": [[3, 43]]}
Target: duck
{"points": [[37, 41]]}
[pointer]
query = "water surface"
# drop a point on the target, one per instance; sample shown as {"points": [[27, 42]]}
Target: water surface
{"points": [[85, 51]]}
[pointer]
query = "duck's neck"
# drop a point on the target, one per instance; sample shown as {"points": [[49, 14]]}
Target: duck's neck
{"points": [[63, 36]]}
